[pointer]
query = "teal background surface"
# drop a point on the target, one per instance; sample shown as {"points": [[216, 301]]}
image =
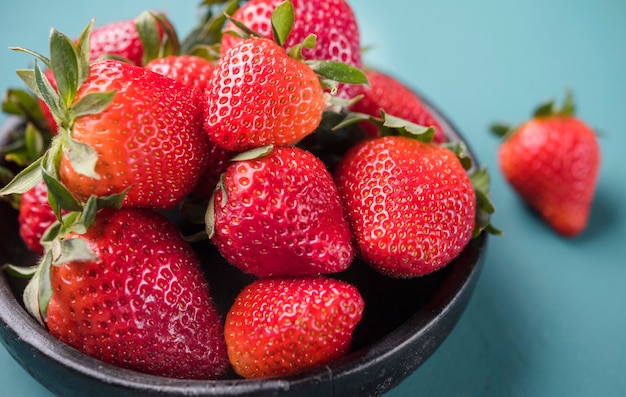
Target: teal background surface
{"points": [[548, 314]]}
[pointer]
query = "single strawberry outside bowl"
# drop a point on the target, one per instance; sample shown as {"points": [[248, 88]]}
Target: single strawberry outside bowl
{"points": [[405, 321]]}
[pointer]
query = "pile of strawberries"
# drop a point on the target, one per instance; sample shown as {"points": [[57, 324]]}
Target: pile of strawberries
{"points": [[264, 127]]}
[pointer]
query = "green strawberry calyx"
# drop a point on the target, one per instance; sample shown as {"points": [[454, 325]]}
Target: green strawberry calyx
{"points": [[69, 63], [57, 251], [204, 39], [479, 177], [545, 110], [149, 25], [388, 124]]}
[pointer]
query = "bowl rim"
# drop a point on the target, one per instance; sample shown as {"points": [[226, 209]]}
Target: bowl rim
{"points": [[421, 334]]}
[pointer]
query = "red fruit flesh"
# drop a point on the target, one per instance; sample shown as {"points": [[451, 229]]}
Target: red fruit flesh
{"points": [[410, 204], [281, 326], [143, 305]]}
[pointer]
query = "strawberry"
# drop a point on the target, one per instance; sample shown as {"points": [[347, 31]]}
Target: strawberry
{"points": [[123, 40], [134, 39], [35, 216], [190, 70], [410, 204], [117, 38], [196, 71], [392, 96], [552, 162], [260, 96], [281, 326], [149, 138], [122, 129], [280, 214], [130, 292], [332, 22]]}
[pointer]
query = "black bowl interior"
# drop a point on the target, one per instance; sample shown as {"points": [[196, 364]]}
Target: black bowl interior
{"points": [[403, 324]]}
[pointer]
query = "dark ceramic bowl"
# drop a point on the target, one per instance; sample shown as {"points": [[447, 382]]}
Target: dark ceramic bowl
{"points": [[403, 324]]}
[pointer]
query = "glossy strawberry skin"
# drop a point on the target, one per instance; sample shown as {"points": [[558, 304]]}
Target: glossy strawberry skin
{"points": [[150, 137], [410, 204], [120, 39], [188, 69], [332, 21], [35, 216], [144, 304], [260, 96], [282, 216], [553, 164], [196, 72], [281, 326], [389, 94]]}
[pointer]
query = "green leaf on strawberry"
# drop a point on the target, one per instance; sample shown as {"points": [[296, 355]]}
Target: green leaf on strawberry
{"points": [[338, 71], [158, 36], [25, 180], [484, 206], [205, 38], [38, 291], [63, 51], [282, 22], [389, 125]]}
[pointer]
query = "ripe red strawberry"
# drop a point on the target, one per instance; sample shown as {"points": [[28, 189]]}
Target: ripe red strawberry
{"points": [[332, 22], [190, 70], [149, 139], [411, 205], [35, 216], [123, 130], [117, 38], [141, 302], [552, 162], [123, 39], [280, 214], [260, 96], [281, 326], [196, 72], [392, 96]]}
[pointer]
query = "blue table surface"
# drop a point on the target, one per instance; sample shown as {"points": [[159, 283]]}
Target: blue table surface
{"points": [[547, 317]]}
